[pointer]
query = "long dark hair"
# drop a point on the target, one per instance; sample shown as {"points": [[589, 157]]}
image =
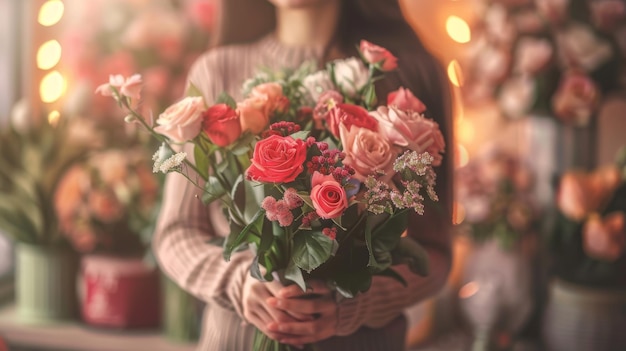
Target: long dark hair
{"points": [[380, 22]]}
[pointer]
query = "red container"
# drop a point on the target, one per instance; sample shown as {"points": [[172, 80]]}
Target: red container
{"points": [[122, 293]]}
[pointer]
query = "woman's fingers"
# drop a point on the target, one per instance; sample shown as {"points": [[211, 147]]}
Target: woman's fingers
{"points": [[299, 333], [315, 287], [310, 306]]}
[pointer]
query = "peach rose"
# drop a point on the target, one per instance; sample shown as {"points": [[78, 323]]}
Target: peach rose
{"points": [[272, 94], [252, 114], [576, 99], [105, 206], [367, 152], [405, 100], [377, 55], [328, 196], [182, 121], [68, 196], [580, 193], [412, 130], [605, 238]]}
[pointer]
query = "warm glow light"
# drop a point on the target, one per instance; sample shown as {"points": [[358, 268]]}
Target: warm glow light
{"points": [[464, 131], [51, 13], [52, 87], [455, 74], [462, 156], [458, 30], [468, 290], [53, 117], [49, 54], [458, 213]]}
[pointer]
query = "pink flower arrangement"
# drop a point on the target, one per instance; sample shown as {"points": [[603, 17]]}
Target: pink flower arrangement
{"points": [[326, 169]]}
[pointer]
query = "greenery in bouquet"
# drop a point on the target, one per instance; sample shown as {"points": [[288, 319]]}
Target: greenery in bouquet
{"points": [[495, 191], [33, 157], [547, 57], [312, 176], [158, 39], [588, 241], [108, 202]]}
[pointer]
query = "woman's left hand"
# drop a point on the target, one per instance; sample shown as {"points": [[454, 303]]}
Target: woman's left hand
{"points": [[318, 301]]}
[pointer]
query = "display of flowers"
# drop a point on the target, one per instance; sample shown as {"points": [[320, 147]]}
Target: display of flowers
{"points": [[107, 204], [495, 192], [589, 240], [315, 177], [158, 39], [547, 57]]}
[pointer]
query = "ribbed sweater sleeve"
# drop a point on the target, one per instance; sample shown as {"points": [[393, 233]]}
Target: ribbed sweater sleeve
{"points": [[186, 225]]}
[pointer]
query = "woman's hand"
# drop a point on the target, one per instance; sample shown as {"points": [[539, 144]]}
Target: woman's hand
{"points": [[317, 302], [257, 311]]}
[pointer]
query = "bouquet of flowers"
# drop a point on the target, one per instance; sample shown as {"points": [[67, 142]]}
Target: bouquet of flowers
{"points": [[555, 57], [313, 178], [107, 202], [495, 192], [589, 238]]}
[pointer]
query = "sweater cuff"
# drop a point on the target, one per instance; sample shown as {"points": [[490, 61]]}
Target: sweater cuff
{"points": [[351, 312]]}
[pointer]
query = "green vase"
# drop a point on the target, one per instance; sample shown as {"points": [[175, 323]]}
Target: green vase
{"points": [[181, 313], [46, 284]]}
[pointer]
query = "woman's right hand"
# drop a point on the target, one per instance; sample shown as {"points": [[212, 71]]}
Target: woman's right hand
{"points": [[257, 311]]}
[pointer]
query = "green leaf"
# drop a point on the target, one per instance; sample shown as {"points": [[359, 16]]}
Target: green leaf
{"points": [[267, 237], [311, 249], [202, 162], [224, 98], [213, 190], [294, 274], [193, 91], [369, 95], [413, 254], [349, 284], [302, 135], [235, 239], [391, 273], [255, 269]]}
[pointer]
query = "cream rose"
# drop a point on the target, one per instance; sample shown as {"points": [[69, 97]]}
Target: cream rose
{"points": [[367, 152], [318, 83], [270, 95], [182, 121], [351, 75]]}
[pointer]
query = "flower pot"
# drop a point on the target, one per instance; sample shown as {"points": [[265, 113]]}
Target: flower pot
{"points": [[181, 313], [46, 284], [579, 318], [119, 293]]}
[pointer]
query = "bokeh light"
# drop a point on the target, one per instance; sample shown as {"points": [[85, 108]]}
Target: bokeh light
{"points": [[458, 30], [52, 87], [51, 13], [53, 117], [49, 54], [455, 74]]}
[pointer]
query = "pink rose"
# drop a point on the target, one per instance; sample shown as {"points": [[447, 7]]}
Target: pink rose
{"points": [[553, 10], [576, 98], [367, 151], [327, 101], [328, 196], [412, 130], [132, 87], [202, 13], [252, 114], [349, 115], [277, 159], [182, 121], [405, 100], [605, 238], [272, 94], [375, 54], [221, 124]]}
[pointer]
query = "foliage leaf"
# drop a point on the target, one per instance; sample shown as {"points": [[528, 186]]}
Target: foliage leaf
{"points": [[202, 162], [311, 249], [235, 239], [294, 274], [413, 254], [224, 98], [193, 91]]}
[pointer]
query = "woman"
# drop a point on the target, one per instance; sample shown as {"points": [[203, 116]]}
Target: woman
{"points": [[254, 34]]}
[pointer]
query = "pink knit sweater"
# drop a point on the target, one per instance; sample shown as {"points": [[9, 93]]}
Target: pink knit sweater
{"points": [[371, 321]]}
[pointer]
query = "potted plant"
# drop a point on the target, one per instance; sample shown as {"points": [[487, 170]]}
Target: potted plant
{"points": [[501, 218], [588, 242], [106, 206], [32, 158]]}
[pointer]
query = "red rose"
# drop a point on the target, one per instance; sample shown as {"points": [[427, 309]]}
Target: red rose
{"points": [[375, 54], [405, 100], [349, 115], [328, 196], [277, 159], [221, 124]]}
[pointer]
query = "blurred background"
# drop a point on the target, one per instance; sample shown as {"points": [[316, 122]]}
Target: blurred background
{"points": [[539, 106]]}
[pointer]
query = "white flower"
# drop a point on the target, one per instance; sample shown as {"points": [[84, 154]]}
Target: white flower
{"points": [[351, 75], [532, 55], [317, 83], [165, 161], [579, 45], [517, 96], [492, 64]]}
